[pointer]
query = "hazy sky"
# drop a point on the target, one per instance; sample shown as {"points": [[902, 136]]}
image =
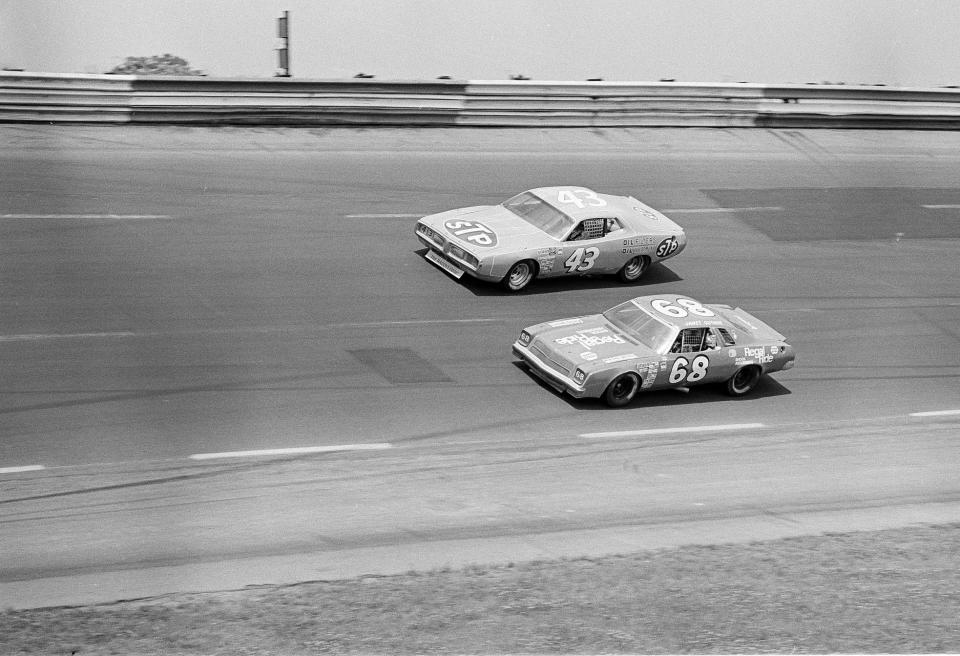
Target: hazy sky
{"points": [[896, 42]]}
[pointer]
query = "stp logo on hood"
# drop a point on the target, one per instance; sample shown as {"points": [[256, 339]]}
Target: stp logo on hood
{"points": [[471, 231]]}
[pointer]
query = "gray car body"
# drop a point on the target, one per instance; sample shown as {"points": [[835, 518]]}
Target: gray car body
{"points": [[485, 241]]}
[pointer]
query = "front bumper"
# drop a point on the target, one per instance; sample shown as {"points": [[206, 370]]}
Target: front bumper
{"points": [[550, 376], [439, 255]]}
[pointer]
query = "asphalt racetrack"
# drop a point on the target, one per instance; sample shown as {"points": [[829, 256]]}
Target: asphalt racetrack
{"points": [[224, 360]]}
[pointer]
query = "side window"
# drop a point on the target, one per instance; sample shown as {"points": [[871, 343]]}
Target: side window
{"points": [[690, 340], [611, 225], [587, 229], [727, 338]]}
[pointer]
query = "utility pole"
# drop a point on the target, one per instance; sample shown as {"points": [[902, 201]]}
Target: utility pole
{"points": [[283, 51]]}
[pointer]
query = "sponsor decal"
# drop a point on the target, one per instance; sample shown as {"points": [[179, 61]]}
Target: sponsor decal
{"points": [[668, 247], [589, 355], [774, 349], [472, 231], [620, 358], [643, 240], [732, 353], [652, 369], [564, 322], [757, 354], [591, 337]]}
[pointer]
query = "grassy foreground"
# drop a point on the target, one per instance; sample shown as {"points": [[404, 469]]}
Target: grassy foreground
{"points": [[886, 591]]}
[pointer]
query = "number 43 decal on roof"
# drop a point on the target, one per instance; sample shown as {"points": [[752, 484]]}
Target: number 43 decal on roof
{"points": [[580, 197]]}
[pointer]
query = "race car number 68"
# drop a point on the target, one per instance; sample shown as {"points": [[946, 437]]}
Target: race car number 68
{"points": [[683, 307]]}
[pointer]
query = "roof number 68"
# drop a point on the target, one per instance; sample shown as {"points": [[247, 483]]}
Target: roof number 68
{"points": [[683, 307]]}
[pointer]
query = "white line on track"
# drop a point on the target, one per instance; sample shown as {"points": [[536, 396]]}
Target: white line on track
{"points": [[17, 470], [119, 217], [41, 336], [680, 429], [935, 413], [941, 207], [720, 210], [384, 216], [298, 450]]}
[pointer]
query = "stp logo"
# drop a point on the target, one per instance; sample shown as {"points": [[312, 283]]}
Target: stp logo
{"points": [[667, 246], [471, 231]]}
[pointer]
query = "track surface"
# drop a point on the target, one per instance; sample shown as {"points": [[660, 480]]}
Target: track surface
{"points": [[170, 293]]}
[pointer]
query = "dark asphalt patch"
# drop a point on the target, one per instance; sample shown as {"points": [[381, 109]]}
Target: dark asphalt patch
{"points": [[847, 213], [400, 365]]}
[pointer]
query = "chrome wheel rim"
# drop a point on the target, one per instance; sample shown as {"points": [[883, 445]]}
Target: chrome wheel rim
{"points": [[519, 275], [634, 268]]}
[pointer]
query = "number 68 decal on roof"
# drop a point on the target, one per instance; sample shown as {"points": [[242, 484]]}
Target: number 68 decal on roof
{"points": [[550, 232]]}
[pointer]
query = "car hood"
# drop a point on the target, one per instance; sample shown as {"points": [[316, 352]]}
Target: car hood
{"points": [[587, 342], [508, 232]]}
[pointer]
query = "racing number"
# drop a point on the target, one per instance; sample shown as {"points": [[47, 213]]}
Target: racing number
{"points": [[582, 259], [697, 369], [667, 246], [475, 232], [580, 198], [683, 307]]}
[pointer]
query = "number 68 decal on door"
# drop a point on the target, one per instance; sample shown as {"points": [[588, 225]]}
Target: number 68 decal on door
{"points": [[692, 372], [582, 259]]}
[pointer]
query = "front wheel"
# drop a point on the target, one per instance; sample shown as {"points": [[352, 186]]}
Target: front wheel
{"points": [[634, 268], [519, 276], [743, 381], [621, 390]]}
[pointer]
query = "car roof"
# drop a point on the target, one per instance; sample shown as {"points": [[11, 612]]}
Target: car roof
{"points": [[616, 206], [690, 319]]}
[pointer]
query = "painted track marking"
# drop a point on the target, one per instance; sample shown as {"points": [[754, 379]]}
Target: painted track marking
{"points": [[664, 431], [298, 450], [17, 470], [384, 216], [118, 217], [941, 207], [935, 413], [720, 210]]}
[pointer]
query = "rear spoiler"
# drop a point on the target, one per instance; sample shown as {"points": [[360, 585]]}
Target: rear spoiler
{"points": [[748, 323]]}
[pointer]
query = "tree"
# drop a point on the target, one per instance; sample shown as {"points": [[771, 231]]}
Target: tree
{"points": [[165, 64]]}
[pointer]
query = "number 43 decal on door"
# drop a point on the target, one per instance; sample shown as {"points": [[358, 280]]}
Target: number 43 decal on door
{"points": [[582, 259]]}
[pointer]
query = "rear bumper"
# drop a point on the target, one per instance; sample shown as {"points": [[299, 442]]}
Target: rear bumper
{"points": [[550, 376]]}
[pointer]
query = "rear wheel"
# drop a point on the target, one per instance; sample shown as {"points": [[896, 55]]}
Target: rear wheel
{"points": [[633, 269], [621, 390], [743, 381], [519, 276]]}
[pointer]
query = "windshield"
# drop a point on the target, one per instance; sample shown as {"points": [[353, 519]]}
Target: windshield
{"points": [[542, 215], [641, 326]]}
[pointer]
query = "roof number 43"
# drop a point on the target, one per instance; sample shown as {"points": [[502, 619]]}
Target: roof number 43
{"points": [[580, 197]]}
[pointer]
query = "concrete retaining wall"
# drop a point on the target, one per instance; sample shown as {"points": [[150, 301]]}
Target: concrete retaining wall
{"points": [[47, 97]]}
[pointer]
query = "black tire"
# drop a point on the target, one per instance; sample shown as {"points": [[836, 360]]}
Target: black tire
{"points": [[634, 269], [744, 381], [519, 276], [621, 390]]}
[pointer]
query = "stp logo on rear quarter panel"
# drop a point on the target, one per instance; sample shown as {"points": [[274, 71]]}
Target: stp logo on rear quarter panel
{"points": [[472, 231]]}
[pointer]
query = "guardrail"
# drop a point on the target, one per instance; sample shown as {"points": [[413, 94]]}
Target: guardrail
{"points": [[58, 98]]}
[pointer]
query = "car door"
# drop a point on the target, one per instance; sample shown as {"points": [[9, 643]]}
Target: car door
{"points": [[695, 358], [589, 248]]}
